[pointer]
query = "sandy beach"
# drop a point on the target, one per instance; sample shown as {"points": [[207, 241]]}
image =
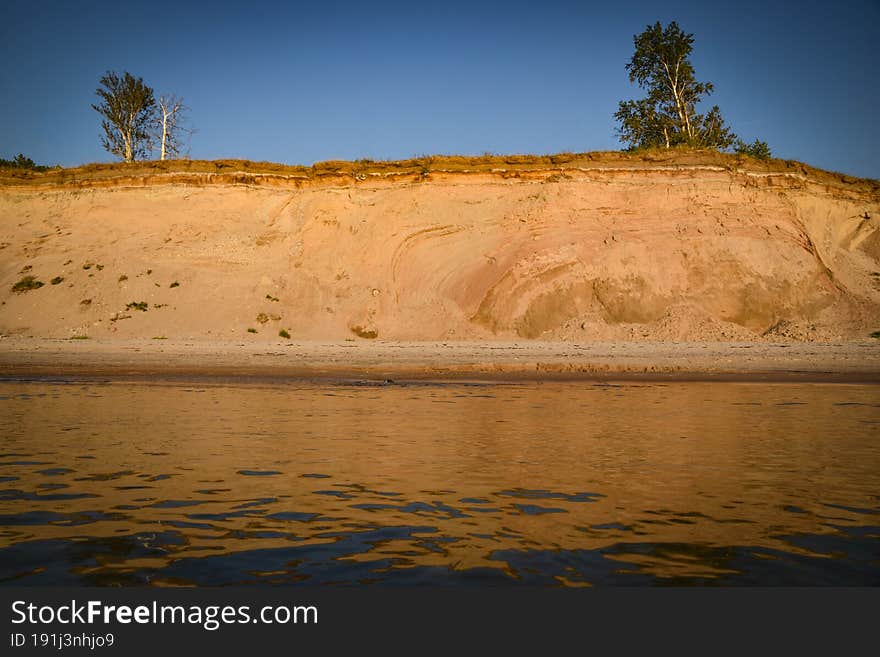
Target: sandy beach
{"points": [[498, 361]]}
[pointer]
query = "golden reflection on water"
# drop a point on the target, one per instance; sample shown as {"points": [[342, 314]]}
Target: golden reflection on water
{"points": [[555, 483]]}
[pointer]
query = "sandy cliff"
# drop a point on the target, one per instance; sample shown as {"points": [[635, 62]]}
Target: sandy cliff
{"points": [[577, 253]]}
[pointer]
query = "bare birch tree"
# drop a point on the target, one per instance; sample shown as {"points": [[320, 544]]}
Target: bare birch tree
{"points": [[127, 105], [171, 128]]}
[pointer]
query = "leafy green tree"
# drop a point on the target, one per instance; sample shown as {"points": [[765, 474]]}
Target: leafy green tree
{"points": [[642, 125], [757, 149], [668, 116], [128, 108]]}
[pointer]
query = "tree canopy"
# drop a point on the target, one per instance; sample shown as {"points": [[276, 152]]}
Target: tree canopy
{"points": [[128, 106], [668, 115]]}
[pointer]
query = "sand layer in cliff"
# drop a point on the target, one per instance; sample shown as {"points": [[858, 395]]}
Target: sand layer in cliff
{"points": [[587, 248]]}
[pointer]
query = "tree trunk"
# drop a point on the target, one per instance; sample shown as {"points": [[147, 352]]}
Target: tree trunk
{"points": [[164, 132], [687, 121], [127, 137]]}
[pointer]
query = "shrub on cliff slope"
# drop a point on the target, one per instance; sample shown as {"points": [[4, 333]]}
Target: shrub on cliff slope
{"points": [[757, 149], [27, 283]]}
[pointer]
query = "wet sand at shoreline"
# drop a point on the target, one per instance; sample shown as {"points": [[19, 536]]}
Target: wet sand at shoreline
{"points": [[379, 360]]}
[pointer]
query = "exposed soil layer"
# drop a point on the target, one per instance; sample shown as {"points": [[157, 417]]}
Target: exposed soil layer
{"points": [[585, 249]]}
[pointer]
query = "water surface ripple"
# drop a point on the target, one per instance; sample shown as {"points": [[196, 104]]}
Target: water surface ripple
{"points": [[571, 484]]}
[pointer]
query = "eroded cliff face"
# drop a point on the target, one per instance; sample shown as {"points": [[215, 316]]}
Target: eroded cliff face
{"points": [[669, 253]]}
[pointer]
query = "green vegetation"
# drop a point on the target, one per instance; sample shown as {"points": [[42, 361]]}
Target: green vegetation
{"points": [[284, 334], [271, 298], [143, 306], [22, 162], [159, 337], [127, 106], [123, 278], [135, 121], [757, 149], [367, 334], [57, 280], [27, 283], [262, 318], [79, 337], [876, 334], [252, 330], [160, 305], [667, 117]]}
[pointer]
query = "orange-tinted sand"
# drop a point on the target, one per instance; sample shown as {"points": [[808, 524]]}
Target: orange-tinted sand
{"points": [[563, 260]]}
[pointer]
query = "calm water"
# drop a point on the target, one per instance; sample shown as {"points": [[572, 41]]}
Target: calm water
{"points": [[551, 484]]}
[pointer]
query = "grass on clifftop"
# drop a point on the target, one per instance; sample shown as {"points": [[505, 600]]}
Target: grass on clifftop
{"points": [[425, 165]]}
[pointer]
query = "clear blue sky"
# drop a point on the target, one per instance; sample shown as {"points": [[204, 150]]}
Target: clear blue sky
{"points": [[298, 82]]}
